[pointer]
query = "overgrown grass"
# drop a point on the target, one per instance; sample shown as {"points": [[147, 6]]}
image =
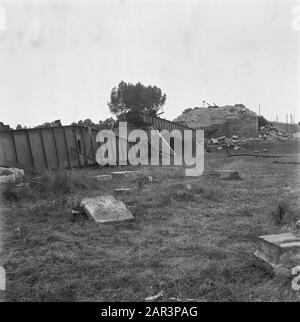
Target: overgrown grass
{"points": [[50, 183], [192, 238]]}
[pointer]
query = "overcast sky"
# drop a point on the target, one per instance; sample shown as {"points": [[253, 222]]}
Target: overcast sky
{"points": [[60, 59]]}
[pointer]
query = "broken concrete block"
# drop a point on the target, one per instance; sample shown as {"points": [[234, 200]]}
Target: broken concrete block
{"points": [[105, 209], [103, 177], [7, 178], [219, 148], [235, 137], [233, 176], [280, 252], [5, 171], [221, 138], [214, 141], [10, 174], [188, 186]]}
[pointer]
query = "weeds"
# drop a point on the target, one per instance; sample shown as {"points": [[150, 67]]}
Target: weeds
{"points": [[62, 182], [283, 215]]}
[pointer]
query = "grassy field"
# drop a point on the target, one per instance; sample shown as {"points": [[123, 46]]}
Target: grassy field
{"points": [[195, 244]]}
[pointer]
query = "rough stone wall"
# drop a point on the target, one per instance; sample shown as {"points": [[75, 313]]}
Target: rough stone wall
{"points": [[219, 121]]}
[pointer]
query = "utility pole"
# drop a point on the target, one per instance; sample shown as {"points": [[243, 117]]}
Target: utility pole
{"points": [[277, 118], [258, 109]]}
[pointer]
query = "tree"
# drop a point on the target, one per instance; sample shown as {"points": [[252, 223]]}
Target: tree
{"points": [[19, 127], [129, 98], [106, 124]]}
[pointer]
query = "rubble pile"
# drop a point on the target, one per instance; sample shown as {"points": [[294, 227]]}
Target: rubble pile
{"points": [[219, 121], [270, 132], [266, 134]]}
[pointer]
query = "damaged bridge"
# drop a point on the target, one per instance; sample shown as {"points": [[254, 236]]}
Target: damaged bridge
{"points": [[60, 146]]}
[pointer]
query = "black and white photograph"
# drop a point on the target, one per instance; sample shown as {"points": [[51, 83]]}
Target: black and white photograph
{"points": [[149, 154]]}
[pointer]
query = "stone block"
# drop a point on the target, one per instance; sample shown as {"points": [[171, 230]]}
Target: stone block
{"points": [[105, 209]]}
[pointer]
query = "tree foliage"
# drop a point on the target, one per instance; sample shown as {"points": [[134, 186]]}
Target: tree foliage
{"points": [[106, 124], [130, 98]]}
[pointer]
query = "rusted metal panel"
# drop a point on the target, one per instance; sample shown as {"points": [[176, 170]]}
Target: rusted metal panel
{"points": [[160, 123], [7, 151], [88, 145], [71, 142], [67, 146], [38, 149], [50, 150], [61, 147], [22, 147]]}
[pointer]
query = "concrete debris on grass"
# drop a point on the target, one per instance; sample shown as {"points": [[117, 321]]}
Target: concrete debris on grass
{"points": [[226, 174], [11, 174], [279, 253], [144, 180], [154, 297], [233, 176], [269, 132], [265, 134], [105, 209], [127, 174], [103, 177]]}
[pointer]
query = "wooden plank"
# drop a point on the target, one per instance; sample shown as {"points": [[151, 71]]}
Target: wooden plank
{"points": [[30, 148], [55, 146], [43, 148], [74, 132], [84, 147], [49, 148], [14, 146], [66, 144], [22, 148]]}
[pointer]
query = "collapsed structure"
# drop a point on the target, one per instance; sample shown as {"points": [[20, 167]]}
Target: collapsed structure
{"points": [[64, 146], [216, 121]]}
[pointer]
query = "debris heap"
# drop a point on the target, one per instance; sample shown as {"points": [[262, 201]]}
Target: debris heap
{"points": [[267, 133], [226, 121]]}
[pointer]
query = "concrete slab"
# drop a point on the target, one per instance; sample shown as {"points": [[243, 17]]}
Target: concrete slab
{"points": [[277, 239], [10, 174], [279, 251], [105, 209]]}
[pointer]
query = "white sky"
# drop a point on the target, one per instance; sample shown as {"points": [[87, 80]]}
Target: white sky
{"points": [[60, 59]]}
